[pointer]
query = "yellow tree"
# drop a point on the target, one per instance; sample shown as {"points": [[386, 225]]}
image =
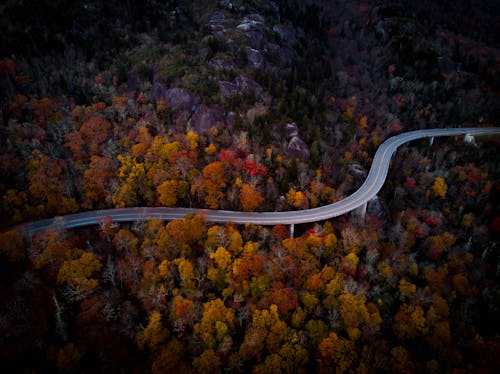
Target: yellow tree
{"points": [[154, 333], [186, 272], [167, 193], [216, 323], [297, 199], [410, 322], [208, 362], [268, 331], [250, 197], [210, 185], [192, 140], [77, 274], [336, 354], [221, 272], [439, 187], [135, 182]]}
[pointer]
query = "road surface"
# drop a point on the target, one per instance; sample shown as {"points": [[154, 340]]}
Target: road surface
{"points": [[367, 191]]}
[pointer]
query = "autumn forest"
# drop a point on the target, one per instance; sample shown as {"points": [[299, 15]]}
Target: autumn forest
{"points": [[248, 106]]}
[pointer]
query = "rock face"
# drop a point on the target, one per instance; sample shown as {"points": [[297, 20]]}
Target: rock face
{"points": [[291, 130], [298, 148], [177, 99], [181, 99], [242, 85], [221, 64], [206, 117], [253, 27], [181, 102], [220, 22], [255, 58]]}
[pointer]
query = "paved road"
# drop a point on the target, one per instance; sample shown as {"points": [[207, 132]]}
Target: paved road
{"points": [[367, 191]]}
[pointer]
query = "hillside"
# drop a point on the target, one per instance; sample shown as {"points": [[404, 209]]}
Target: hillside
{"points": [[252, 106]]}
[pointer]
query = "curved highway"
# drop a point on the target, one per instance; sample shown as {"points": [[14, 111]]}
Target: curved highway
{"points": [[367, 191]]}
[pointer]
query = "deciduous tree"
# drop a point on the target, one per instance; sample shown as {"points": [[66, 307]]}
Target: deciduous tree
{"points": [[216, 323], [250, 198]]}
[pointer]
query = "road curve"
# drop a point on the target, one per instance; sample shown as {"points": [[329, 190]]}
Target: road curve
{"points": [[367, 191]]}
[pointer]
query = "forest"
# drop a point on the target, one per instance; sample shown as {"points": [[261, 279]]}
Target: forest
{"points": [[248, 106]]}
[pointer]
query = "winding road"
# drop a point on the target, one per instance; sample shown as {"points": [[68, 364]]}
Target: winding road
{"points": [[367, 191]]}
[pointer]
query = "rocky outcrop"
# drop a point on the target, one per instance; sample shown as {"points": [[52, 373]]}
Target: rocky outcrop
{"points": [[181, 99], [178, 99], [291, 130], [255, 58], [242, 85], [298, 148], [206, 117], [181, 103], [222, 64]]}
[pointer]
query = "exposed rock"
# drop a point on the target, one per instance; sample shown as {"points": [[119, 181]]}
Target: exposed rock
{"points": [[204, 118], [181, 102], [291, 130], [298, 148], [255, 38], [181, 99], [221, 64], [228, 89], [255, 58], [357, 169], [253, 27], [226, 4], [252, 22], [242, 85], [246, 85], [220, 22], [287, 34]]}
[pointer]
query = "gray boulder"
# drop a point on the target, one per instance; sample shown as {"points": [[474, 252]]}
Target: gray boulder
{"points": [[255, 58], [298, 148], [206, 117], [220, 22], [180, 99], [291, 130], [242, 85], [181, 103], [246, 85], [222, 64]]}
